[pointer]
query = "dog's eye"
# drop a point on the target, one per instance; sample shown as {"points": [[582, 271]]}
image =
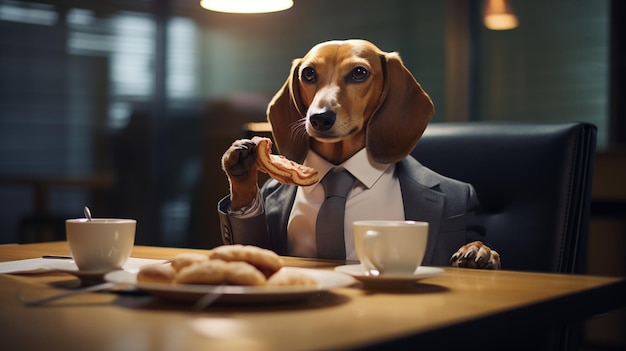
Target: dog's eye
{"points": [[309, 75], [358, 74]]}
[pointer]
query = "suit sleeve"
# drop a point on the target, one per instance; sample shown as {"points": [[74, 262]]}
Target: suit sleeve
{"points": [[247, 231], [460, 223], [475, 229]]}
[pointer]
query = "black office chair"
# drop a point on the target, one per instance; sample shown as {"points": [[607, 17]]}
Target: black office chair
{"points": [[533, 181], [534, 184]]}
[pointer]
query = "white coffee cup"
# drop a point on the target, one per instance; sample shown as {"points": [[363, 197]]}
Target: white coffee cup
{"points": [[390, 247], [102, 244]]}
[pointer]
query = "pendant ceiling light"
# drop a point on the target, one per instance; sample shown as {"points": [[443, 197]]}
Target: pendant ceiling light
{"points": [[246, 6], [499, 15]]}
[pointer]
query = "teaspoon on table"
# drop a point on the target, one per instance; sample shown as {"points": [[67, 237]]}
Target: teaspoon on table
{"points": [[43, 301]]}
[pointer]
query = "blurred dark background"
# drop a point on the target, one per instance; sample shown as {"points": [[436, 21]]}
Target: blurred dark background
{"points": [[127, 105]]}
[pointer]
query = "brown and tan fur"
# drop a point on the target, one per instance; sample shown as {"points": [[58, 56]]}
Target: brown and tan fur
{"points": [[341, 97], [389, 90]]}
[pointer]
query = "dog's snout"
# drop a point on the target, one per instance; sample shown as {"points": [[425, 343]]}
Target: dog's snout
{"points": [[323, 121]]}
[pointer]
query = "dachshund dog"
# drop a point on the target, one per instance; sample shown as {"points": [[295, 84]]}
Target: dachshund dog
{"points": [[342, 97]]}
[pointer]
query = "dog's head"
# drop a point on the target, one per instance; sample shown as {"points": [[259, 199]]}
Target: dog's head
{"points": [[344, 95]]}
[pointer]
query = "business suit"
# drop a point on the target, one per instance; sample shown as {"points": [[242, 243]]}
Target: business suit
{"points": [[447, 205]]}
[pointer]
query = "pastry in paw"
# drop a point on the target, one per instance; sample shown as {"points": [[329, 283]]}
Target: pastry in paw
{"points": [[476, 255], [156, 273], [280, 168], [266, 261], [285, 277]]}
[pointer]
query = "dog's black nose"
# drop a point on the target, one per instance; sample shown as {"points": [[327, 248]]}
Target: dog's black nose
{"points": [[323, 121]]}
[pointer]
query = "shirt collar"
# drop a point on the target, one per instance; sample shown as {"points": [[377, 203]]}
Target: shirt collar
{"points": [[361, 166]]}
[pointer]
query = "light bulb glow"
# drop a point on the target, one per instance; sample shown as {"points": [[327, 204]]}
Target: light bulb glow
{"points": [[246, 6], [499, 15], [501, 21]]}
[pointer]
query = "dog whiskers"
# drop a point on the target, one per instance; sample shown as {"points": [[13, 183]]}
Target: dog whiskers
{"points": [[298, 128]]}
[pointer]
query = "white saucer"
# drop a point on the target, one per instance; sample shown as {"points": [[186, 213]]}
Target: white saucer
{"points": [[132, 265], [44, 265], [357, 271]]}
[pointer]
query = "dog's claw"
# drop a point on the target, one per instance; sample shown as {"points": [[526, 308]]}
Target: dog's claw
{"points": [[476, 255], [454, 258]]}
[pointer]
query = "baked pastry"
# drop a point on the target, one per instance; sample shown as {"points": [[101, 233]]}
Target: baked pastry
{"points": [[281, 168], [285, 277], [266, 261], [242, 273], [187, 259], [245, 265], [156, 273], [207, 272], [214, 272]]}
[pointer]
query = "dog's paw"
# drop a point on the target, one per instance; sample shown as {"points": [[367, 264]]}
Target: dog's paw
{"points": [[239, 160], [476, 255], [239, 164]]}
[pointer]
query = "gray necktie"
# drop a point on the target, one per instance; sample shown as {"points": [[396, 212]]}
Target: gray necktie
{"points": [[330, 232]]}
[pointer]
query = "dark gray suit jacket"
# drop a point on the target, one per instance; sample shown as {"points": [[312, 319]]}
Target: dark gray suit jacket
{"points": [[446, 204]]}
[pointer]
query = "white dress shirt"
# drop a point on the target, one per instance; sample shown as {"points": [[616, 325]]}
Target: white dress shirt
{"points": [[375, 195]]}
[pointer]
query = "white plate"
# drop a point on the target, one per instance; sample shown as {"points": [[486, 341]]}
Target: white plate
{"points": [[357, 271], [231, 293]]}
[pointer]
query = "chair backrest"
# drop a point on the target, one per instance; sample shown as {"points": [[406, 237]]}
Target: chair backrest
{"points": [[533, 181]]}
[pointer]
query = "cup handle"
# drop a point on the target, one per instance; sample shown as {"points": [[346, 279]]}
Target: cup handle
{"points": [[371, 264]]}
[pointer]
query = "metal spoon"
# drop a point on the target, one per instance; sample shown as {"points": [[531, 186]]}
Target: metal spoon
{"points": [[45, 300], [87, 213], [210, 297]]}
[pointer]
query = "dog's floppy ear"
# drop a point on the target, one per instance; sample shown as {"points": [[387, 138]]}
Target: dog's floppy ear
{"points": [[284, 113], [403, 112]]}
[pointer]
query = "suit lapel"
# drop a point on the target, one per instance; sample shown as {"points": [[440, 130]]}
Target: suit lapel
{"points": [[278, 206], [421, 201]]}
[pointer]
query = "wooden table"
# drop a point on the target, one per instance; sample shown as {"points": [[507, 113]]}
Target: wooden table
{"points": [[454, 309]]}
